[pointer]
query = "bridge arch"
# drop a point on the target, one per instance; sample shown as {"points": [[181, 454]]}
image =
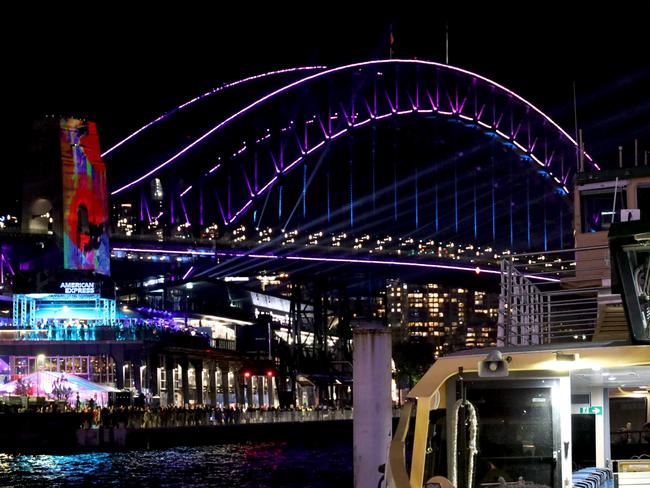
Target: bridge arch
{"points": [[352, 97]]}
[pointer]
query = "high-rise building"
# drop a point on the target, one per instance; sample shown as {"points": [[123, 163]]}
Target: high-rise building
{"points": [[396, 303], [436, 312], [126, 222], [452, 317]]}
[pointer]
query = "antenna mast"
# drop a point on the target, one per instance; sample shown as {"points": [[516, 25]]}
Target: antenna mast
{"points": [[446, 42]]}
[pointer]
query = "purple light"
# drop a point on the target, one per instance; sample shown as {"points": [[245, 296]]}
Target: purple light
{"points": [[164, 251], [339, 133], [241, 211], [187, 273], [472, 269], [211, 92], [265, 187], [316, 147], [232, 254], [6, 261], [187, 220], [335, 70], [223, 214], [300, 158], [248, 183], [383, 262]]}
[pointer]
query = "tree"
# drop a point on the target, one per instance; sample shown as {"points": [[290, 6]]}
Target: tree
{"points": [[412, 359]]}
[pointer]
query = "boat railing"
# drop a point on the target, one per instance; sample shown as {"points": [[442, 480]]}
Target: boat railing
{"points": [[553, 296]]}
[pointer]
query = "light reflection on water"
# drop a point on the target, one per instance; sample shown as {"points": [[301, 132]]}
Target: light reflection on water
{"points": [[264, 465]]}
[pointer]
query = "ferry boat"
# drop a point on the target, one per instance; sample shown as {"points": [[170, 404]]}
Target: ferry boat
{"points": [[563, 400]]}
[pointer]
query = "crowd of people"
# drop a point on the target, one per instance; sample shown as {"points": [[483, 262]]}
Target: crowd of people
{"points": [[90, 330], [133, 417]]}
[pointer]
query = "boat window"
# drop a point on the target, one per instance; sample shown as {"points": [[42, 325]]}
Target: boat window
{"points": [[596, 208]]}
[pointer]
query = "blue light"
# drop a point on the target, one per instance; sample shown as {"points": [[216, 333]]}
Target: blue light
{"points": [[494, 221], [436, 203], [561, 228], [545, 231], [395, 191], [328, 198], [512, 234], [475, 225], [528, 208], [456, 198], [417, 224], [304, 191], [374, 135], [351, 198]]}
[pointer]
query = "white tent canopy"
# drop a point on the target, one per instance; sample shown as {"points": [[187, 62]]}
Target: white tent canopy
{"points": [[42, 383]]}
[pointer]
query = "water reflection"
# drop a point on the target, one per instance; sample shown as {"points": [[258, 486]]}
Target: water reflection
{"points": [[261, 465]]}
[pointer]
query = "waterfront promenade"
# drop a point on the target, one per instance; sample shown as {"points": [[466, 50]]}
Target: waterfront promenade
{"points": [[109, 429]]}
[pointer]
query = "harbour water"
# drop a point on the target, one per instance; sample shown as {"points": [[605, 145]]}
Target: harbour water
{"points": [[313, 464]]}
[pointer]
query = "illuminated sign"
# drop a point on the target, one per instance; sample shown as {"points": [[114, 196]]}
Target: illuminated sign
{"points": [[595, 410], [77, 287], [85, 199]]}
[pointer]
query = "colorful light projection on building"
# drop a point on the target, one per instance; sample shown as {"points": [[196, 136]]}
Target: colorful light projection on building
{"points": [[85, 202]]}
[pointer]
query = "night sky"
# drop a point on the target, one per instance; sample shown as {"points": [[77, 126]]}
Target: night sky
{"points": [[124, 68]]}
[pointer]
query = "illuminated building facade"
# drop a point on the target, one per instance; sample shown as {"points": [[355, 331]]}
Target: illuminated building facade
{"points": [[125, 219], [452, 317]]}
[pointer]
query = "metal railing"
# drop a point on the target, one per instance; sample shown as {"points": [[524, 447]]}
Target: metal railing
{"points": [[113, 333], [553, 296]]}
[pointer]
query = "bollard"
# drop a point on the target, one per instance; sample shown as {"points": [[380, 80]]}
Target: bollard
{"points": [[372, 403]]}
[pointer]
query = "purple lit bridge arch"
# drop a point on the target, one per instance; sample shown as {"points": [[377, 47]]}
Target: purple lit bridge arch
{"points": [[229, 167], [149, 125]]}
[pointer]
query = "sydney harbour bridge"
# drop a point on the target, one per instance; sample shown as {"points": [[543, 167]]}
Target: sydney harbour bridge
{"points": [[381, 161], [298, 194]]}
